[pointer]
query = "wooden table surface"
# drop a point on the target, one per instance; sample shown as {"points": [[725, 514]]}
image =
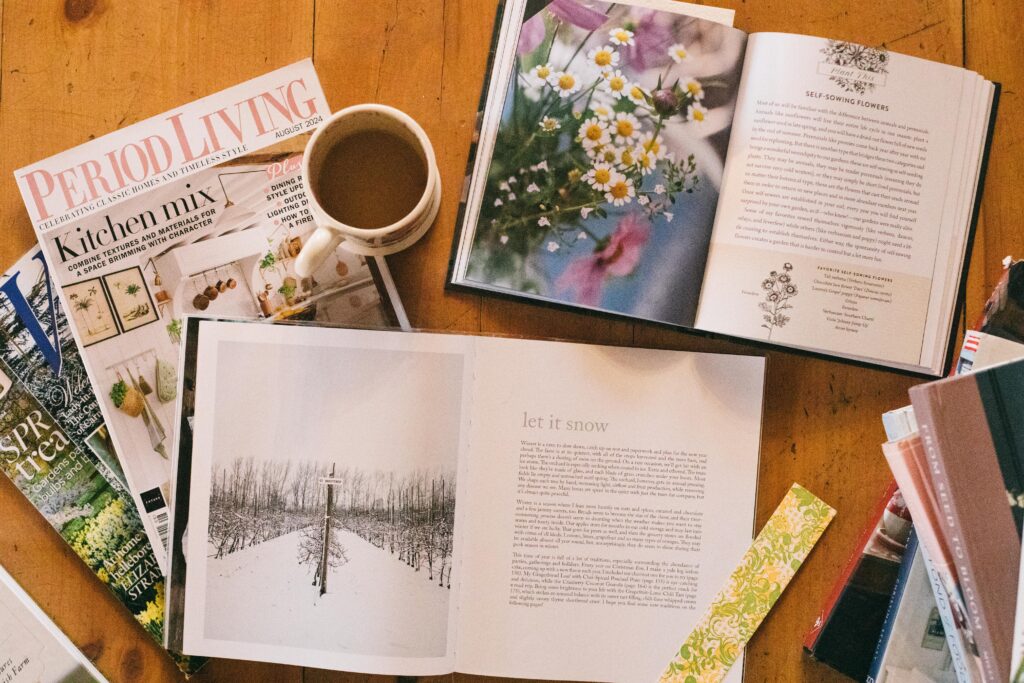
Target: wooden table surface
{"points": [[71, 70]]}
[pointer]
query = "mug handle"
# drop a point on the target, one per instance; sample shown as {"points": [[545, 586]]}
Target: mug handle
{"points": [[320, 245]]}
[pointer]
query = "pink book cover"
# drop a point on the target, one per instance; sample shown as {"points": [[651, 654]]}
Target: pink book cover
{"points": [[972, 429]]}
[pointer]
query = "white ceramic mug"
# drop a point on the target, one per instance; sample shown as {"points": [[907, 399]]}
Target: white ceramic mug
{"points": [[331, 232]]}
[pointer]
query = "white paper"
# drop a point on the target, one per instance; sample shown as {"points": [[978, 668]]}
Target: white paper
{"points": [[32, 648]]}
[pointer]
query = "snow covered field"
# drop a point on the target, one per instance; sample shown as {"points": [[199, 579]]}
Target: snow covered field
{"points": [[375, 604]]}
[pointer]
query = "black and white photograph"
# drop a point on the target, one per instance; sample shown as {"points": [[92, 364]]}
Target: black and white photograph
{"points": [[316, 543]]}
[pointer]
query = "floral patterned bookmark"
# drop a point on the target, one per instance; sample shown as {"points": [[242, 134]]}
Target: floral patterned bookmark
{"points": [[753, 588]]}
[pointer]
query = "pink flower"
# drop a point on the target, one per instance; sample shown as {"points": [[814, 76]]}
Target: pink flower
{"points": [[578, 14], [532, 34], [653, 38], [570, 11], [585, 277]]}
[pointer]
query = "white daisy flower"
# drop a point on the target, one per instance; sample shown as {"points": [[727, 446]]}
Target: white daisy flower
{"points": [[679, 53], [668, 216], [659, 189], [620, 191], [585, 213], [645, 161], [512, 180], [604, 57], [503, 239], [549, 125], [540, 74], [594, 133], [511, 196], [625, 128], [543, 222], [600, 177], [542, 166], [693, 86], [552, 247], [654, 145], [582, 235], [602, 111], [621, 36], [615, 83], [643, 200], [503, 186], [608, 154], [697, 113], [532, 187], [498, 202], [636, 94], [564, 83], [626, 157]]}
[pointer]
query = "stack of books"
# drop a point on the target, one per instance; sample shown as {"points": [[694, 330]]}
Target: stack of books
{"points": [[934, 594]]}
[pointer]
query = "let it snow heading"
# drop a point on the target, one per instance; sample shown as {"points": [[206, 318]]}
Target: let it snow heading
{"points": [[278, 105], [555, 423]]}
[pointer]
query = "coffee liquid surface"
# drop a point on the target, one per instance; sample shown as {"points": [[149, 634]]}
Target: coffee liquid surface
{"points": [[371, 179]]}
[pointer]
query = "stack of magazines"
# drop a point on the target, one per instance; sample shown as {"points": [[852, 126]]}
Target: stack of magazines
{"points": [[172, 217], [934, 592]]}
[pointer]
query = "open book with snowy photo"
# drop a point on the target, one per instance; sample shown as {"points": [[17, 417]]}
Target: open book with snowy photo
{"points": [[792, 191], [414, 503]]}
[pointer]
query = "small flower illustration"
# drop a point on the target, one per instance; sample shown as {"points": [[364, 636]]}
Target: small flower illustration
{"points": [[779, 290]]}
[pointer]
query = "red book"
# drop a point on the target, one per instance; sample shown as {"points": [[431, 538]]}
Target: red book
{"points": [[850, 622]]}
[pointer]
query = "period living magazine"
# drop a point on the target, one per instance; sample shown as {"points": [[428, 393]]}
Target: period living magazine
{"points": [[32, 648], [56, 449], [399, 503], [789, 190], [197, 210]]}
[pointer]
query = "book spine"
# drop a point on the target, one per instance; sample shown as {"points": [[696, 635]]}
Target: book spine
{"points": [[881, 649], [828, 609], [957, 647], [948, 517]]}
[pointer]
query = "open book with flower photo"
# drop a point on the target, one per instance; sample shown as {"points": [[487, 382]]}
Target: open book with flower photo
{"points": [[789, 190]]}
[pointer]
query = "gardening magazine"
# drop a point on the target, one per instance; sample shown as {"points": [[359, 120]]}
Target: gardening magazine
{"points": [[56, 449], [199, 210], [792, 191], [396, 503]]}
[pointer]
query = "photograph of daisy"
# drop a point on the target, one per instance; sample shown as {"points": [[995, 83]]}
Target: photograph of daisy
{"points": [[608, 158]]}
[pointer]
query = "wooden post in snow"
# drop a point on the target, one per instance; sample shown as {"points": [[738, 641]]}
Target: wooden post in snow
{"points": [[326, 549]]}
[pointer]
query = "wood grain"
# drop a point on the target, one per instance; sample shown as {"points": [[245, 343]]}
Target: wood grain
{"points": [[75, 69]]}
